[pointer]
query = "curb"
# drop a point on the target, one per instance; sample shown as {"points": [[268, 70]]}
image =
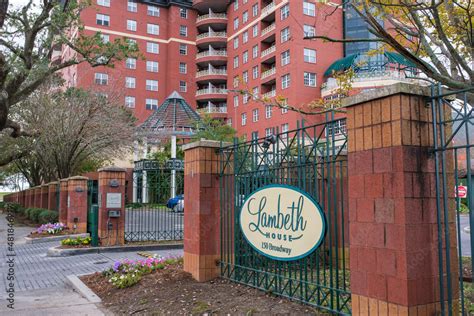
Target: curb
{"points": [[29, 240], [83, 289], [59, 252]]}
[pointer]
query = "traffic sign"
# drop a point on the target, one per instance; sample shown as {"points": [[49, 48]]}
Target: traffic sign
{"points": [[461, 192]]}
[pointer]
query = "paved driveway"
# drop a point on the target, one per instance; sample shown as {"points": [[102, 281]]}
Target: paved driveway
{"points": [[40, 284]]}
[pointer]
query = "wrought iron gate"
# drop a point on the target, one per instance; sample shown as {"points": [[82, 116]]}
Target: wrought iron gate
{"points": [[453, 134], [93, 211], [313, 159]]}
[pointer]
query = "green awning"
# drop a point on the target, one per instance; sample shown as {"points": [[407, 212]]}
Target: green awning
{"points": [[399, 59], [341, 64]]}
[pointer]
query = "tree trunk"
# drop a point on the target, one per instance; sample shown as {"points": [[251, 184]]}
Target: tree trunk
{"points": [[3, 11]]}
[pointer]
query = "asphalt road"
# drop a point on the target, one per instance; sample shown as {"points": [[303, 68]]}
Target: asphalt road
{"points": [[465, 236]]}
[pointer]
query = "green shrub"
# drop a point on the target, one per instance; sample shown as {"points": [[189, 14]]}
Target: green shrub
{"points": [[2, 205], [47, 216], [13, 207], [33, 214], [84, 241]]}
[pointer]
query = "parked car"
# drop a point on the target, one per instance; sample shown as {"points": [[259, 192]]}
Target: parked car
{"points": [[173, 203], [179, 208]]}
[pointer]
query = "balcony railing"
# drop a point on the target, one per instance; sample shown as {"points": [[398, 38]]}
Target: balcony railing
{"points": [[212, 15], [219, 53], [211, 34], [268, 51], [268, 9], [211, 91], [213, 109], [268, 73], [268, 29], [270, 94], [211, 72]]}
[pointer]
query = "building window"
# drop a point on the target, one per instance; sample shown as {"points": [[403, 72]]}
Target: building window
{"points": [[236, 101], [309, 30], [285, 34], [255, 10], [101, 79], [255, 30], [131, 63], [245, 37], [153, 48], [245, 57], [183, 87], [236, 62], [151, 104], [229, 121], [338, 126], [255, 51], [151, 66], [255, 72], [132, 25], [105, 38], [183, 30], [285, 12], [284, 128], [131, 41], [285, 58], [244, 119], [309, 8], [236, 81], [255, 92], [309, 55], [183, 68], [310, 79], [285, 81], [284, 104], [245, 77], [132, 6], [103, 3], [183, 49], [236, 23], [268, 111], [183, 13], [130, 102], [153, 29], [102, 19], [236, 42], [255, 115], [245, 98], [152, 85], [236, 5], [153, 11], [245, 17], [130, 82], [268, 132]]}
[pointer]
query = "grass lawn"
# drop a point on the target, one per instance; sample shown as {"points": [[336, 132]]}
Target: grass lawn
{"points": [[2, 194]]}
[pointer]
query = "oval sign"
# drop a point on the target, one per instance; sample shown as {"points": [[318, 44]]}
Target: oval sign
{"points": [[282, 222]]}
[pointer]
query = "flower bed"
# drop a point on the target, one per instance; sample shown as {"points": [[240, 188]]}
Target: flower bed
{"points": [[127, 273], [50, 229], [78, 242]]}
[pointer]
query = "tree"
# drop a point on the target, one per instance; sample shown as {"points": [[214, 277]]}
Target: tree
{"points": [[214, 129], [436, 35], [28, 38], [74, 130]]}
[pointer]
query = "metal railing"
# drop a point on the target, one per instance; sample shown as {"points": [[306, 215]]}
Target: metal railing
{"points": [[211, 34], [212, 15], [268, 73], [268, 51], [211, 91], [268, 29], [213, 109], [207, 53]]}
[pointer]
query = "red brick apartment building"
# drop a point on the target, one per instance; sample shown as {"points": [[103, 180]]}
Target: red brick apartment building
{"points": [[204, 48]]}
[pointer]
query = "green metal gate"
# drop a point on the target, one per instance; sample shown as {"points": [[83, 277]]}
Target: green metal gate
{"points": [[93, 211], [313, 159]]}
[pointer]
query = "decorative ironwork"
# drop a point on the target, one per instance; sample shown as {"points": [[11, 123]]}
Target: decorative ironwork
{"points": [[153, 165], [315, 161]]}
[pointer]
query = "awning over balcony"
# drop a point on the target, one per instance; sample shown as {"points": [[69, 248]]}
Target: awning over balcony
{"points": [[351, 61]]}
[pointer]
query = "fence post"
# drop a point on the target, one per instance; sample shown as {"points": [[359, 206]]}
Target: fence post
{"points": [[63, 194], [393, 234], [202, 210], [44, 196], [52, 195], [37, 200], [77, 204], [112, 198]]}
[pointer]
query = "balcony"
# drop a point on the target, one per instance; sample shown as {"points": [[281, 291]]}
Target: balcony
{"points": [[268, 51], [268, 73], [211, 72], [211, 94], [268, 9], [212, 37], [211, 34], [211, 18], [212, 53], [213, 109], [268, 29], [269, 95]]}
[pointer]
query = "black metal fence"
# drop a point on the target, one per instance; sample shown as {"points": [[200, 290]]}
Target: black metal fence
{"points": [[453, 136], [313, 159]]}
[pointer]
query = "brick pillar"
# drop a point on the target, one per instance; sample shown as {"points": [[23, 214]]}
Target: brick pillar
{"points": [[37, 199], [393, 232], [63, 193], [77, 204], [44, 196], [52, 196], [202, 210], [27, 198], [111, 183]]}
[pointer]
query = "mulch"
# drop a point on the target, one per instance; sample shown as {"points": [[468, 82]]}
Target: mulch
{"points": [[174, 292]]}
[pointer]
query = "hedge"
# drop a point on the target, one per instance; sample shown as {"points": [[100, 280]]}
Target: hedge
{"points": [[47, 216]]}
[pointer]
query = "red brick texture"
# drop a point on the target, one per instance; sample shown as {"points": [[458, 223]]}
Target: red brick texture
{"points": [[393, 228], [77, 204], [63, 194]]}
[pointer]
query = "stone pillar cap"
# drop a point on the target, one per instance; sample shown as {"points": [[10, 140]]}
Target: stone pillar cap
{"points": [[78, 178], [112, 169], [206, 143]]}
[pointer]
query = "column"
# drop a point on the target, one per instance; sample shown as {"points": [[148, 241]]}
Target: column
{"points": [[44, 196], [52, 196], [77, 204], [63, 196]]}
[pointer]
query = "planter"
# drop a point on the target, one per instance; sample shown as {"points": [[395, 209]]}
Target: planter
{"points": [[38, 240], [64, 252]]}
